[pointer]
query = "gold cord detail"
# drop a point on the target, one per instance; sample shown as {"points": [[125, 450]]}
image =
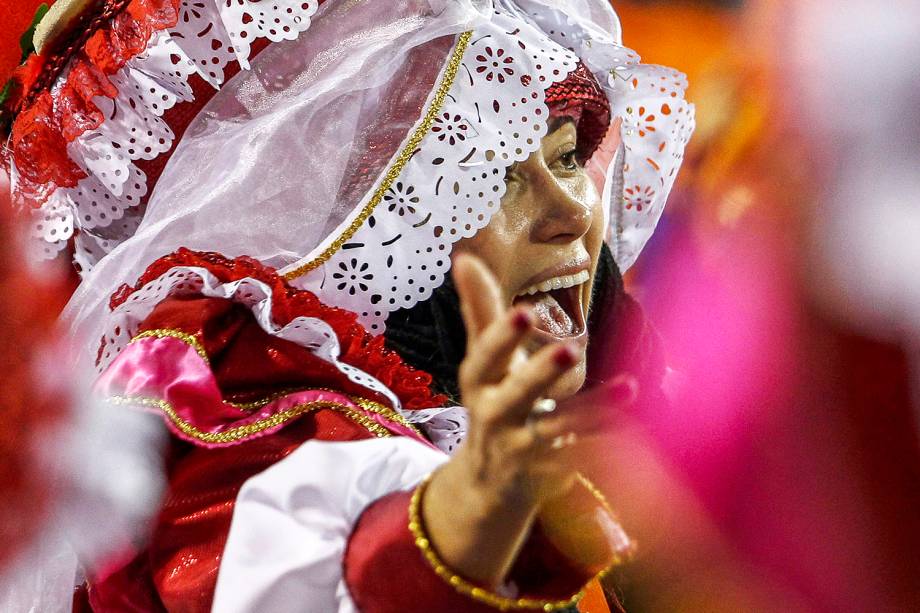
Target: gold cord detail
{"points": [[232, 436], [462, 585], [258, 403], [177, 334], [368, 405], [241, 433], [375, 407], [402, 159]]}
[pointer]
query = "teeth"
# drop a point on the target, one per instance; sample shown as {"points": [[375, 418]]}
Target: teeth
{"points": [[555, 283]]}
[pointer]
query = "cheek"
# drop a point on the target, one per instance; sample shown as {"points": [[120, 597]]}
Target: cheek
{"points": [[494, 245], [598, 230]]}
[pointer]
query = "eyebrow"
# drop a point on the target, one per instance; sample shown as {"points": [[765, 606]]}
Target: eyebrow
{"points": [[557, 122]]}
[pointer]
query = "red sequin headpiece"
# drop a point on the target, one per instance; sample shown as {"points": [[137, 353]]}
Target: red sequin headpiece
{"points": [[580, 97]]}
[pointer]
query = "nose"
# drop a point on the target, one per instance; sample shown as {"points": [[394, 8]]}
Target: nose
{"points": [[560, 216]]}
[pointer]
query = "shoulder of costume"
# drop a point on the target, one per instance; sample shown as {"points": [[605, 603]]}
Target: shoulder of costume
{"points": [[227, 351]]}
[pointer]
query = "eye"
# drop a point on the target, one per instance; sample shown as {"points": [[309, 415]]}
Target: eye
{"points": [[569, 160]]}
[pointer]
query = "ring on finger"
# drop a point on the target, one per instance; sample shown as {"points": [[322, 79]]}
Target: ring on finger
{"points": [[542, 406], [564, 440]]}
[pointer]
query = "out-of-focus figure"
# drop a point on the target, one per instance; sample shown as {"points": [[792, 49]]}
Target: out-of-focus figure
{"points": [[783, 280], [77, 477]]}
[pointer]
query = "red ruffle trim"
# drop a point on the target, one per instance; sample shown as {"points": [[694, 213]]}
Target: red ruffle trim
{"points": [[43, 129], [359, 348]]}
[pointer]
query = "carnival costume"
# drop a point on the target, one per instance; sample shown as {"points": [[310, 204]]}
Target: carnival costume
{"points": [[252, 189]]}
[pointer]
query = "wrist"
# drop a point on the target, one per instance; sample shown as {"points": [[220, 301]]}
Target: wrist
{"points": [[481, 591], [496, 520], [503, 489]]}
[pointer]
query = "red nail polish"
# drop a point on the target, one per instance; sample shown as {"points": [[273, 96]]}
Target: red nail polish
{"points": [[521, 321], [564, 357], [625, 391]]}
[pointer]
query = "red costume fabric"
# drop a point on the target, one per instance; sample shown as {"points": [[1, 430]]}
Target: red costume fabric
{"points": [[178, 570], [382, 557]]}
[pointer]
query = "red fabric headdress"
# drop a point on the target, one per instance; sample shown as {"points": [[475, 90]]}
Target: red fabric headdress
{"points": [[581, 98]]}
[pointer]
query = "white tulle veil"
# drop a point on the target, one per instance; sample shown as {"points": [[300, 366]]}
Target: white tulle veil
{"points": [[354, 150]]}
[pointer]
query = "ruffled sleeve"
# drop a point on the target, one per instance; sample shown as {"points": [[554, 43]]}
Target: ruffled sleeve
{"points": [[293, 522]]}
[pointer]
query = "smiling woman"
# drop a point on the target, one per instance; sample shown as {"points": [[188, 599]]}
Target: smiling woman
{"points": [[362, 279], [543, 244]]}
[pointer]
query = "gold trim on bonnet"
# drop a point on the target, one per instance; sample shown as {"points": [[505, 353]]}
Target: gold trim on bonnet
{"points": [[402, 159]]}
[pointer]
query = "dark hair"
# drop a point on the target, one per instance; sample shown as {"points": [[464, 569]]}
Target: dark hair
{"points": [[430, 335]]}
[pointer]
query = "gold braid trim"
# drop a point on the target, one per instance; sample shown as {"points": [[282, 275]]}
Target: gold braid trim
{"points": [[177, 334], [618, 559], [462, 585], [368, 405], [402, 159], [258, 403], [241, 433], [375, 407]]}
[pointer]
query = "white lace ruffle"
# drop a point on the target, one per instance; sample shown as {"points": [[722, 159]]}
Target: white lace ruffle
{"points": [[310, 332], [494, 115], [208, 36], [657, 124]]}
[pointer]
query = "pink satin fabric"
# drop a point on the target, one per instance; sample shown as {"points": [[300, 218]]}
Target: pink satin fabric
{"points": [[169, 369]]}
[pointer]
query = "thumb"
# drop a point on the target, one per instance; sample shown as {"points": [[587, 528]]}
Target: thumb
{"points": [[480, 295]]}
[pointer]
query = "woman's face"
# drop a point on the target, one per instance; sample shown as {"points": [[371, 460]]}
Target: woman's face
{"points": [[543, 246]]}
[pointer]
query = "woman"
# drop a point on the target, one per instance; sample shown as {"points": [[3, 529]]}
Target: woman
{"points": [[354, 154]]}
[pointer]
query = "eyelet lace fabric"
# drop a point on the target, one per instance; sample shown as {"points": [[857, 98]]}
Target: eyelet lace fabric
{"points": [[119, 118], [495, 115], [282, 164], [657, 123]]}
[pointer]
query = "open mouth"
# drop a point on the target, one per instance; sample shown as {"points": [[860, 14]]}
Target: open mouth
{"points": [[557, 304]]}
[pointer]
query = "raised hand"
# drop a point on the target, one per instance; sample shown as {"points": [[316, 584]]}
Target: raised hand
{"points": [[511, 461]]}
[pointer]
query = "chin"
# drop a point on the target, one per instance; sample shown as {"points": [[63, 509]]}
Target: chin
{"points": [[570, 383]]}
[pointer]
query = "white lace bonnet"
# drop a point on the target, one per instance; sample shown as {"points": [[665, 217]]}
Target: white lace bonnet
{"points": [[351, 152]]}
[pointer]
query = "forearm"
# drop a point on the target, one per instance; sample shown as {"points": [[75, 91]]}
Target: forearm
{"points": [[581, 525], [496, 516]]}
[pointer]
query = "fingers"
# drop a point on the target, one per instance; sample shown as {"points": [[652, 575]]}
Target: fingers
{"points": [[488, 361], [523, 386], [589, 413], [480, 296]]}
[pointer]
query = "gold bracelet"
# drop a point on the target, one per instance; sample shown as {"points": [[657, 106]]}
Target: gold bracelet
{"points": [[462, 585], [618, 558]]}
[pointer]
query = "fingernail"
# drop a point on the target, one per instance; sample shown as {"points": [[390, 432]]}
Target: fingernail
{"points": [[564, 357], [521, 321], [625, 390]]}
